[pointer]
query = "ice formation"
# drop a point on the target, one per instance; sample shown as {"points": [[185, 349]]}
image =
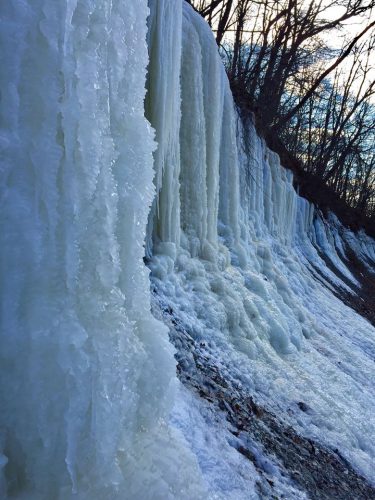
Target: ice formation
{"points": [[87, 373], [90, 403]]}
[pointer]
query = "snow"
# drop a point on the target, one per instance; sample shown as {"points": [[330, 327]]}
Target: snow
{"points": [[229, 475]]}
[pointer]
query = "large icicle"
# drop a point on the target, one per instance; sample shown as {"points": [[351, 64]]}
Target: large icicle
{"points": [[87, 373], [163, 111]]}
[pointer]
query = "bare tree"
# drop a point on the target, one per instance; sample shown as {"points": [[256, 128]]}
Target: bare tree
{"points": [[315, 97]]}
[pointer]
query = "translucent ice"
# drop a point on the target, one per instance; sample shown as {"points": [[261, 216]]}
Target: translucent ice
{"points": [[87, 374]]}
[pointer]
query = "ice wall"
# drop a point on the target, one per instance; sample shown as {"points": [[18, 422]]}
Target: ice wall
{"points": [[214, 179], [219, 189], [87, 374]]}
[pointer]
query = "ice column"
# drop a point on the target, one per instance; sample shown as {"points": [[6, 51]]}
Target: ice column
{"points": [[86, 372]]}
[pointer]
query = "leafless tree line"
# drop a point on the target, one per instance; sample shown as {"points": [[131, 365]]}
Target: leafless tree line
{"points": [[308, 79]]}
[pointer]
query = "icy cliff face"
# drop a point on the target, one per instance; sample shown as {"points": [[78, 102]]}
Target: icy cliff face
{"points": [[87, 375]]}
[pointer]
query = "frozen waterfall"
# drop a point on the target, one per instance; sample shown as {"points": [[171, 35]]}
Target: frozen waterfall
{"points": [[91, 407], [87, 373]]}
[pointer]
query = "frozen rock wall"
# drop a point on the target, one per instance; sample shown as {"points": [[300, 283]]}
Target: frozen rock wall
{"points": [[90, 404]]}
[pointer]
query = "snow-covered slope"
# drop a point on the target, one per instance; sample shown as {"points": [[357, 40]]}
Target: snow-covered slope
{"points": [[246, 274]]}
